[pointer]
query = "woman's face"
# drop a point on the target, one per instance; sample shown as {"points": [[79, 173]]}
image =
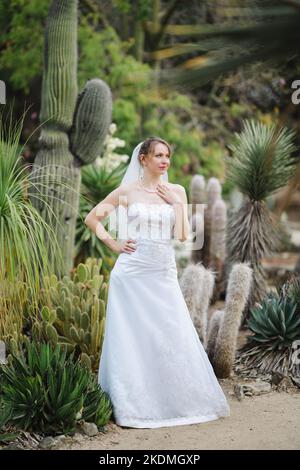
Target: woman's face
{"points": [[158, 161]]}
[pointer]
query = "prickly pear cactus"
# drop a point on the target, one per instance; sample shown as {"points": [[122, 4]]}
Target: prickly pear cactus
{"points": [[73, 130], [73, 312]]}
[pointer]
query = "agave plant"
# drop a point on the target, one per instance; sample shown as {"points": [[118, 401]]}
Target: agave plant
{"points": [[24, 257], [44, 390], [262, 163], [275, 322]]}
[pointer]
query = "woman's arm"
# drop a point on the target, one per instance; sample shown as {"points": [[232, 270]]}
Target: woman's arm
{"points": [[100, 211], [182, 226]]}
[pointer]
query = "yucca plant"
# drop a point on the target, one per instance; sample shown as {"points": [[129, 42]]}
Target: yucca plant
{"points": [[262, 163], [24, 257], [44, 390]]}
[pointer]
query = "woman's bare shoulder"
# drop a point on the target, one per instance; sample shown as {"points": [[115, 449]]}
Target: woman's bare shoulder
{"points": [[176, 187], [125, 190]]}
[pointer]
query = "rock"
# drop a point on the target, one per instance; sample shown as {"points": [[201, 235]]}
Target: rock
{"points": [[12, 446], [257, 388], [50, 442], [90, 429], [47, 443], [251, 388], [238, 392], [276, 378]]}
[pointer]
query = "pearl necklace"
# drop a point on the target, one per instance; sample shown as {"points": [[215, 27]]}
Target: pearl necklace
{"points": [[146, 189]]}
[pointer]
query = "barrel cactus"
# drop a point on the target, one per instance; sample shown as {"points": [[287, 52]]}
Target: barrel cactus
{"points": [[73, 128]]}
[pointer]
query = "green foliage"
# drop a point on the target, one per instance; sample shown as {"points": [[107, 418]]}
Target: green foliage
{"points": [[262, 161], [139, 112], [24, 258], [43, 390], [21, 36], [275, 322]]}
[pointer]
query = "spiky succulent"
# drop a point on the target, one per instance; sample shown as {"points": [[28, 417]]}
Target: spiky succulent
{"points": [[291, 289], [275, 322]]}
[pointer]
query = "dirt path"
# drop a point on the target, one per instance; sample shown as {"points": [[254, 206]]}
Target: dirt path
{"points": [[269, 421]]}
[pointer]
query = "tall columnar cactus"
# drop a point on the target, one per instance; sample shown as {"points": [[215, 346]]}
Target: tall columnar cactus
{"points": [[191, 281], [213, 190], [218, 242], [197, 285], [212, 333], [238, 290], [73, 312], [197, 190], [208, 222], [73, 127], [203, 301], [197, 227], [198, 200]]}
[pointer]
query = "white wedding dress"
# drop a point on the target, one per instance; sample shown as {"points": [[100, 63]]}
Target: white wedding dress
{"points": [[153, 365]]}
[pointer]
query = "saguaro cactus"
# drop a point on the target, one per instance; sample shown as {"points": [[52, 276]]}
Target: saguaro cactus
{"points": [[73, 127]]}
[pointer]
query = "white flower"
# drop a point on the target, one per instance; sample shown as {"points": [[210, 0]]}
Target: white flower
{"points": [[110, 159], [112, 128]]}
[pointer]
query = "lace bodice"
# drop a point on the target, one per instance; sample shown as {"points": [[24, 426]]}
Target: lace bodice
{"points": [[151, 225], [151, 221]]}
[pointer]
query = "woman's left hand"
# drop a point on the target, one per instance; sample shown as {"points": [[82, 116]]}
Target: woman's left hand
{"points": [[168, 194]]}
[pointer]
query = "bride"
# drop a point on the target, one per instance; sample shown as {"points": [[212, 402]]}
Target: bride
{"points": [[153, 364]]}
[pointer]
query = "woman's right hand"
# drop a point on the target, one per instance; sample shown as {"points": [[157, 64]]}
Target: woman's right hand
{"points": [[127, 246]]}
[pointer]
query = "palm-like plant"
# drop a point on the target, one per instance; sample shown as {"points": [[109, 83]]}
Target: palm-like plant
{"points": [[24, 258], [265, 32], [262, 163]]}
